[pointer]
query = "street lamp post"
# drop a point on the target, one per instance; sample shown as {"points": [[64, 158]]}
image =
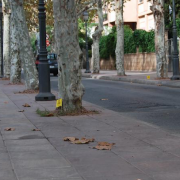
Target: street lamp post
{"points": [[86, 16], [1, 24], [175, 52], [43, 67]]}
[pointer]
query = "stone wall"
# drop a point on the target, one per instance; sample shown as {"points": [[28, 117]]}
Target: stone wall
{"points": [[140, 62], [109, 64], [132, 62]]}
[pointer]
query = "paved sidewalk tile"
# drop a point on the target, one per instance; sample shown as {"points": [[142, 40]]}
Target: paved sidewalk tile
{"points": [[141, 151], [27, 153], [134, 77]]}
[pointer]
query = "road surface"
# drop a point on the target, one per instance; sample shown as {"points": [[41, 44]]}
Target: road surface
{"points": [[156, 105]]}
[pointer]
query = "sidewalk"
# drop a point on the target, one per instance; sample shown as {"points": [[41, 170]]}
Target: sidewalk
{"points": [[134, 77], [141, 151]]}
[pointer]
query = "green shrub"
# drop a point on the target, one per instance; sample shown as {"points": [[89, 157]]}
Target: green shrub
{"points": [[144, 40], [90, 53], [82, 41], [139, 38], [104, 52], [129, 45], [33, 39]]}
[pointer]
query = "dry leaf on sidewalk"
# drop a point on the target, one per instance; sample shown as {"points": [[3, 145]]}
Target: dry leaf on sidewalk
{"points": [[83, 141], [36, 130], [70, 139], [90, 140], [80, 142], [104, 146], [26, 105], [49, 115], [21, 111], [9, 129], [28, 91], [104, 99], [75, 140]]}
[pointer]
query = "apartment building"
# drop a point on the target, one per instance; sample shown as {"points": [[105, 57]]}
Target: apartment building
{"points": [[137, 15]]}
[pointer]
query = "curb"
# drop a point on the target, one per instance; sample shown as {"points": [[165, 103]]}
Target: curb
{"points": [[173, 84]]}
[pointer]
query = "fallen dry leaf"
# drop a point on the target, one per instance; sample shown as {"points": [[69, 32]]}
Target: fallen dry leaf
{"points": [[70, 139], [26, 105], [21, 111], [36, 130], [28, 91], [104, 146], [90, 140], [9, 129], [5, 78], [49, 115], [80, 142], [83, 141], [5, 102], [104, 99], [75, 140]]}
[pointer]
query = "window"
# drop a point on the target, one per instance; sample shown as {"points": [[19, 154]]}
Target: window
{"points": [[140, 1]]}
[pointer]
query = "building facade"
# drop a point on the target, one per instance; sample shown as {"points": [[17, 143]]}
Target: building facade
{"points": [[137, 15]]}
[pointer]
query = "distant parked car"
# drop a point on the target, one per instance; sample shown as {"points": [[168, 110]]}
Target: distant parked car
{"points": [[52, 60]]}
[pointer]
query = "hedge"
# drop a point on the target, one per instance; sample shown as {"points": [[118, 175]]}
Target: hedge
{"points": [[139, 38]]}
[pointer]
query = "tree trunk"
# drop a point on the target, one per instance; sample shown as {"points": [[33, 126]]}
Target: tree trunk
{"points": [[15, 70], [26, 52], [96, 38], [120, 38], [162, 65], [6, 39], [71, 89]]}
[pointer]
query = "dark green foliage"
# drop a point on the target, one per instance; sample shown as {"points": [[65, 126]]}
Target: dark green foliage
{"points": [[129, 44], [169, 18], [107, 44], [33, 39], [144, 40], [178, 26], [139, 38], [104, 52], [150, 36]]}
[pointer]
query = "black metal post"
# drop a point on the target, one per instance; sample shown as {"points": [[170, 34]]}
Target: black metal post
{"points": [[175, 53], [87, 56], [1, 24], [43, 67]]}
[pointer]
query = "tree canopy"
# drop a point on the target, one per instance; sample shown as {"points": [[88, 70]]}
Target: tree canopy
{"points": [[168, 16], [31, 9]]}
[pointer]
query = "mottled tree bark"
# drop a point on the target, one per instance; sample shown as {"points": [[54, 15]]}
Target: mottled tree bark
{"points": [[96, 38], [26, 52], [6, 38], [162, 65], [15, 70], [120, 38], [67, 48]]}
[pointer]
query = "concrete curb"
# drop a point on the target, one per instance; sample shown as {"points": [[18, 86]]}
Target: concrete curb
{"points": [[87, 75], [173, 84]]}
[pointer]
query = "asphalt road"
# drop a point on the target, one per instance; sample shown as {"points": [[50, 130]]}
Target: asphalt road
{"points": [[153, 104]]}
